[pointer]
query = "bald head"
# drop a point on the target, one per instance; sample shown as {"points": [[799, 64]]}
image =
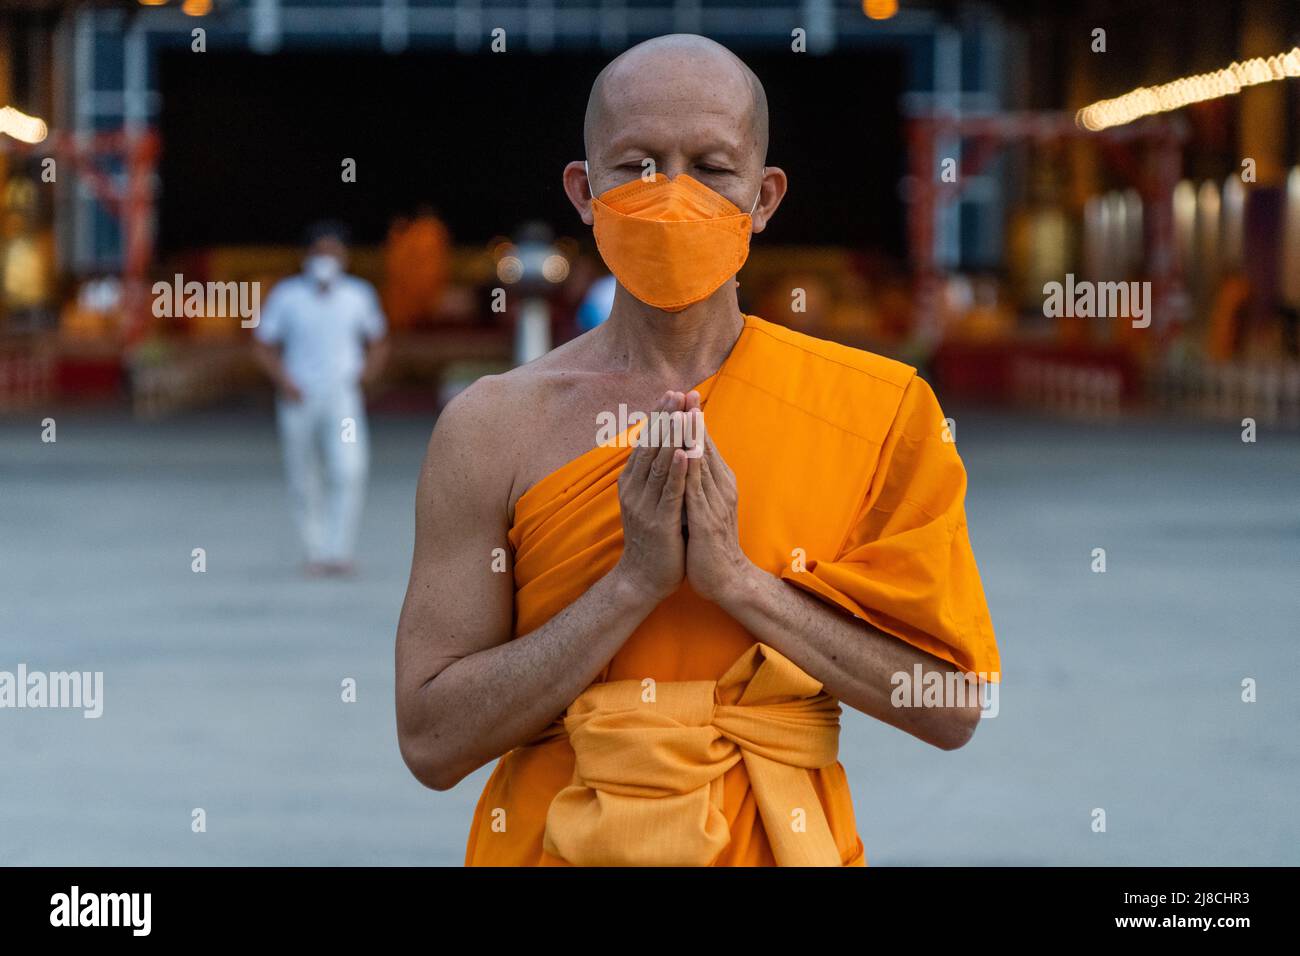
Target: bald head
{"points": [[679, 87]]}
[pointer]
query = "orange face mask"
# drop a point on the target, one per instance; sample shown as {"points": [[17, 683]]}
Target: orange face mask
{"points": [[671, 243]]}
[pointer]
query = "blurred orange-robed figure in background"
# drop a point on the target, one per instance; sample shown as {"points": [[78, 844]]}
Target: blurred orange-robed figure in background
{"points": [[416, 264]]}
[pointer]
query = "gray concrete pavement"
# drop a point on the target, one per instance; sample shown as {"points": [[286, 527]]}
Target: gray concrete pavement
{"points": [[222, 690]]}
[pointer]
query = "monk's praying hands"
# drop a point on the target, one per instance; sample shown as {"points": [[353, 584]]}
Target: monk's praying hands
{"points": [[715, 564], [650, 502]]}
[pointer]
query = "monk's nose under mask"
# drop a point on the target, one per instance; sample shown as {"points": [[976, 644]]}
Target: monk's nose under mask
{"points": [[671, 243]]}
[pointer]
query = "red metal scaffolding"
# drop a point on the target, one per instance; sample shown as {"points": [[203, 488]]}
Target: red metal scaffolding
{"points": [[1148, 154]]}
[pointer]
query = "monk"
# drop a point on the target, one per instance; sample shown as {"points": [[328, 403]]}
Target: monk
{"points": [[416, 268], [654, 627]]}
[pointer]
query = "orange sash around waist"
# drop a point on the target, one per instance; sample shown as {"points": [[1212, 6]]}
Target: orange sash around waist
{"points": [[647, 782]]}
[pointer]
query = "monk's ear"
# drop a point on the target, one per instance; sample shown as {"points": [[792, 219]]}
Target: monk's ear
{"points": [[578, 189], [773, 191]]}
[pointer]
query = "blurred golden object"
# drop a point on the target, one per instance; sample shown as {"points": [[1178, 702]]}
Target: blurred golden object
{"points": [[213, 327], [24, 275], [1225, 317], [196, 8], [978, 314], [1039, 251], [78, 323], [880, 9], [1149, 100], [801, 300], [1290, 272]]}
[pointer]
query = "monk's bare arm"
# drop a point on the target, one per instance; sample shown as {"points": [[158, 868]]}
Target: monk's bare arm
{"points": [[855, 662], [466, 692]]}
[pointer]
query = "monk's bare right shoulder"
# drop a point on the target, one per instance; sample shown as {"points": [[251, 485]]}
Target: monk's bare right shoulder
{"points": [[476, 440]]}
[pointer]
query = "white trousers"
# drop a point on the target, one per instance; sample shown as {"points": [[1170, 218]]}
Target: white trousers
{"points": [[326, 458]]}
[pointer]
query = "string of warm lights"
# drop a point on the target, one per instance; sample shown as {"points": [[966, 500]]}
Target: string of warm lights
{"points": [[1149, 100], [192, 8], [28, 129]]}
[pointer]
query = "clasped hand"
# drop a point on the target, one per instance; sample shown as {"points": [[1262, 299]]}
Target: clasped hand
{"points": [[661, 482]]}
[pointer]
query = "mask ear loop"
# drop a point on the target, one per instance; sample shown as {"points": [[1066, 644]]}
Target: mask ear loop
{"points": [[758, 197]]}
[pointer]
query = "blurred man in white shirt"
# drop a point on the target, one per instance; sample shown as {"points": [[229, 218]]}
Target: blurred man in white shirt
{"points": [[321, 337]]}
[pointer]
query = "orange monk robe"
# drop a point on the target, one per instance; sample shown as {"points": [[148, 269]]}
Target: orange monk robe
{"points": [[840, 459], [416, 265]]}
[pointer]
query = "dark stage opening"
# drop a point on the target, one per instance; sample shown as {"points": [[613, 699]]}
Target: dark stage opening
{"points": [[253, 146]]}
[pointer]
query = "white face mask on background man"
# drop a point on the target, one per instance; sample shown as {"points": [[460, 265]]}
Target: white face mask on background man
{"points": [[324, 269]]}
